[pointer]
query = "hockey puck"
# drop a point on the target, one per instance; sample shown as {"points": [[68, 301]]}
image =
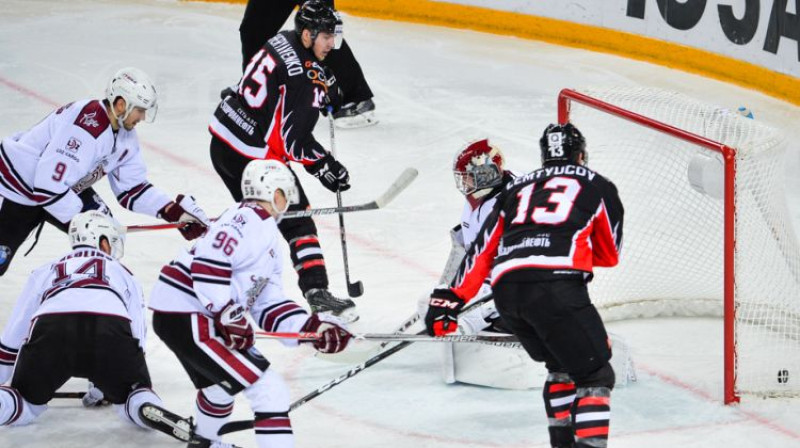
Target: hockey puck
{"points": [[783, 376]]}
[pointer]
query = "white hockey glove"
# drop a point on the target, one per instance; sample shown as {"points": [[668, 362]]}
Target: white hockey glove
{"points": [[233, 326], [93, 397], [185, 210], [333, 337]]}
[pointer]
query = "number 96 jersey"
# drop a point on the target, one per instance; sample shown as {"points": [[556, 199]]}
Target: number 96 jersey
{"points": [[557, 222], [239, 258]]}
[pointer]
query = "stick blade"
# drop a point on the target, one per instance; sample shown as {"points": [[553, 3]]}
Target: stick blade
{"points": [[403, 181], [355, 289]]}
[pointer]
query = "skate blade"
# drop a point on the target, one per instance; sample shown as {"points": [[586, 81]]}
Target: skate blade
{"points": [[357, 121], [167, 422]]}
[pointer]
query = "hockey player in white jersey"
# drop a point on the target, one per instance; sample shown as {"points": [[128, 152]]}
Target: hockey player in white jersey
{"points": [[47, 172], [80, 316], [202, 299]]}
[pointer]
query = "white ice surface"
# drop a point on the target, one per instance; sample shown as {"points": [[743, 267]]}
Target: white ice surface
{"points": [[435, 89]]}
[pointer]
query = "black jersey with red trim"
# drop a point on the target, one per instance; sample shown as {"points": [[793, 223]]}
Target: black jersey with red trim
{"points": [[554, 223], [276, 106]]}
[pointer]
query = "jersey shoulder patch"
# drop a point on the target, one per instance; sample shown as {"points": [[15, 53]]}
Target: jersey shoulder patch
{"points": [[93, 118]]}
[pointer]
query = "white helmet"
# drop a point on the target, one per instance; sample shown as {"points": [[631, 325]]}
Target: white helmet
{"points": [[261, 178], [135, 87], [87, 229]]}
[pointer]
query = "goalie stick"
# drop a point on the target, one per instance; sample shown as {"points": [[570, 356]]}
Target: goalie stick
{"points": [[241, 425], [400, 184]]}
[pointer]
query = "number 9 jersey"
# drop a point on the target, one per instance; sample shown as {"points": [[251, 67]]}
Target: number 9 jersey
{"points": [[555, 223], [276, 104]]}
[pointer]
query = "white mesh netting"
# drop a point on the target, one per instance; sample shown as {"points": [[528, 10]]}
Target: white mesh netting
{"points": [[672, 263]]}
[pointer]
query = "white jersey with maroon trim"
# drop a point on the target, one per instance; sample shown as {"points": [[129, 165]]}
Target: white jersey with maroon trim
{"points": [[240, 259], [68, 151], [85, 280], [556, 222]]}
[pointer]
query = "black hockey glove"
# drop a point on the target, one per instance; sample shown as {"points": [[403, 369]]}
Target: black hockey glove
{"points": [[331, 173], [332, 101], [443, 309]]}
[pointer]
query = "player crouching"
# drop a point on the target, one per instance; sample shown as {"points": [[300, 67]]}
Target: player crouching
{"points": [[85, 316], [202, 298]]}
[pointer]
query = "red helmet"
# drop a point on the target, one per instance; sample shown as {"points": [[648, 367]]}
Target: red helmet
{"points": [[478, 166]]}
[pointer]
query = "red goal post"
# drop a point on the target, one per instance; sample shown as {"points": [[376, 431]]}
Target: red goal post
{"points": [[665, 137]]}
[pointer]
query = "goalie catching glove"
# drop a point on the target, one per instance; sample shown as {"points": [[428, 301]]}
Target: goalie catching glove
{"points": [[443, 309], [233, 326], [333, 337], [185, 210], [332, 174]]}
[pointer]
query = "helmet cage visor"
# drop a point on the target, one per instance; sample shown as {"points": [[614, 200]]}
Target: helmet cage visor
{"points": [[477, 178]]}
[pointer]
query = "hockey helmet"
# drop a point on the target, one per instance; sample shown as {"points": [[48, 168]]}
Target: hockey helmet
{"points": [[135, 87], [316, 16], [262, 178], [89, 228], [562, 143], [478, 166]]}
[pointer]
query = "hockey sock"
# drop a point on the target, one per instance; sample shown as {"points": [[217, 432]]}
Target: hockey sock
{"points": [[273, 430], [308, 261], [269, 399], [14, 410], [559, 395], [214, 406], [591, 417]]}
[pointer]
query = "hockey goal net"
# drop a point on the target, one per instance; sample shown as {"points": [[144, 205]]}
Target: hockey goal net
{"points": [[707, 231]]}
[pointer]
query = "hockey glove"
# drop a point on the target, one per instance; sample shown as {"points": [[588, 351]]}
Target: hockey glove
{"points": [[332, 174], [184, 209], [233, 326], [443, 309], [333, 338]]}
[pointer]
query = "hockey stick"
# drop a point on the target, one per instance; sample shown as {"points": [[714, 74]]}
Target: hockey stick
{"points": [[388, 337], [242, 425], [400, 184], [354, 289], [77, 395]]}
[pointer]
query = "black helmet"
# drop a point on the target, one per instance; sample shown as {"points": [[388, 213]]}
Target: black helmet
{"points": [[316, 16], [562, 143]]}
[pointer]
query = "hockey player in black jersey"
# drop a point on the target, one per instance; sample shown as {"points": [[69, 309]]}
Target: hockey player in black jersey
{"points": [[546, 233], [263, 19], [271, 115]]}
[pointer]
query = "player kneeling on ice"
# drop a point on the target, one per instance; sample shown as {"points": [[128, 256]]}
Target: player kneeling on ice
{"points": [[79, 316], [546, 232], [203, 297]]}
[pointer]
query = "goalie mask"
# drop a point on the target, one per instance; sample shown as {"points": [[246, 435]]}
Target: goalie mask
{"points": [[479, 166], [562, 143], [262, 178], [90, 228], [316, 16], [135, 87]]}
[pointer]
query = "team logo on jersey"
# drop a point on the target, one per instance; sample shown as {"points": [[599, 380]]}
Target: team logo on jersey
{"points": [[73, 144], [89, 119], [255, 290]]}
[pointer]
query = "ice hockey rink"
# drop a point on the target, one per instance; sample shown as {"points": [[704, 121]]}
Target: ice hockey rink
{"points": [[436, 88]]}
